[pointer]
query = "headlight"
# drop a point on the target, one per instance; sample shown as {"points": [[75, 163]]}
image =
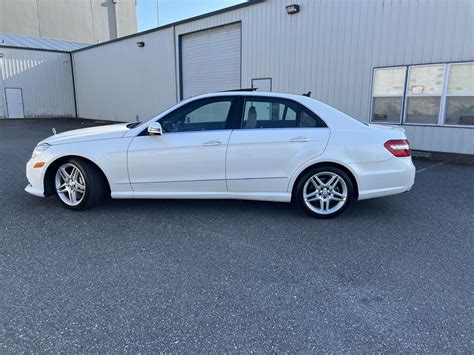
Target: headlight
{"points": [[40, 148]]}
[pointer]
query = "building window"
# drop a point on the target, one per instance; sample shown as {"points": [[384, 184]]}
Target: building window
{"points": [[389, 84], [435, 94], [424, 91], [460, 95]]}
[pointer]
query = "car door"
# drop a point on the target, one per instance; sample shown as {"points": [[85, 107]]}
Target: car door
{"points": [[189, 155], [276, 136]]}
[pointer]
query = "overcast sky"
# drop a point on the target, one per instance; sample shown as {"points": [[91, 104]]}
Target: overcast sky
{"points": [[175, 10]]}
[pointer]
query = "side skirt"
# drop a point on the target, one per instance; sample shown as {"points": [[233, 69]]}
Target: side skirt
{"points": [[256, 196]]}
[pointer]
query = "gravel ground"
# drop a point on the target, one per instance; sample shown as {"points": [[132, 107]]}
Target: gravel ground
{"points": [[389, 275]]}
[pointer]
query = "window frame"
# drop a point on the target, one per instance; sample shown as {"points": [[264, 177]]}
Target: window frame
{"points": [[441, 96], [402, 96], [447, 94], [441, 122], [206, 100], [281, 100]]}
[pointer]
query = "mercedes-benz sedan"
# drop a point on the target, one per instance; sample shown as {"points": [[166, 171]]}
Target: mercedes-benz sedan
{"points": [[231, 145]]}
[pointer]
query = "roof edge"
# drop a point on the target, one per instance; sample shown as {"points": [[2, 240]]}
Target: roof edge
{"points": [[35, 49], [180, 22]]}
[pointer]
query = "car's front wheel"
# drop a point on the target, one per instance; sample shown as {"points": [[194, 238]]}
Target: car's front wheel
{"points": [[324, 192], [79, 185]]}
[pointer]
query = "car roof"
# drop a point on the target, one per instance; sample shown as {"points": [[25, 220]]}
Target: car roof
{"points": [[253, 93]]}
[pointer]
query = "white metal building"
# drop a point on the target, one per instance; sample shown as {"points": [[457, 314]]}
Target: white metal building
{"points": [[36, 78], [387, 61], [90, 21]]}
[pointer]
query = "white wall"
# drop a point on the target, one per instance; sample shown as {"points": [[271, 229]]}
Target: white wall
{"points": [[120, 81], [45, 79], [329, 48]]}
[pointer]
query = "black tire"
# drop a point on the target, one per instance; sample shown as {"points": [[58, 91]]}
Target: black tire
{"points": [[326, 172], [96, 187]]}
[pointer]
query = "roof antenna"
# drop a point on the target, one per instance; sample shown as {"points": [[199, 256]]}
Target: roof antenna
{"points": [[308, 94]]}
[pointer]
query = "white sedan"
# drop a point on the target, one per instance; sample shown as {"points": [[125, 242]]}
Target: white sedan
{"points": [[229, 145]]}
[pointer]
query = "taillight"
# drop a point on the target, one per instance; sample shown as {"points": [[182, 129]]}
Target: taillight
{"points": [[398, 147]]}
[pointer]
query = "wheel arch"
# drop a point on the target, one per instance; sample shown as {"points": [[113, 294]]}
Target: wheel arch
{"points": [[48, 181], [344, 168]]}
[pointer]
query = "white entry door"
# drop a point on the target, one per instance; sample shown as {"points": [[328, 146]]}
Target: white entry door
{"points": [[14, 103]]}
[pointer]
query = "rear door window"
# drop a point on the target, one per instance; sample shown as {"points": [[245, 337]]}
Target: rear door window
{"points": [[261, 112]]}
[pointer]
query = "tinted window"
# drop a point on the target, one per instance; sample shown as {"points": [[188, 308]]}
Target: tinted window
{"points": [[202, 115], [309, 120], [264, 113]]}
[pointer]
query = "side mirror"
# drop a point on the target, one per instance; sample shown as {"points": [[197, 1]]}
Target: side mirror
{"points": [[154, 129]]}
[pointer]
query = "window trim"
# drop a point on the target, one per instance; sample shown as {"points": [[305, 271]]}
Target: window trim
{"points": [[443, 97]]}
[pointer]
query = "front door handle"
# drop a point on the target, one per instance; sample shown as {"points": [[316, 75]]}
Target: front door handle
{"points": [[299, 139], [214, 142]]}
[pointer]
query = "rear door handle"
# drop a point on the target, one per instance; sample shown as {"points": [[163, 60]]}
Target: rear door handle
{"points": [[299, 139], [214, 142]]}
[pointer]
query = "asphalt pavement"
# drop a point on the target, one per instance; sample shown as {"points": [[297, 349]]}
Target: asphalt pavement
{"points": [[389, 275]]}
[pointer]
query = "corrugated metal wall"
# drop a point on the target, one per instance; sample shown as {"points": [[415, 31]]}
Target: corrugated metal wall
{"points": [[330, 48], [45, 79], [121, 81]]}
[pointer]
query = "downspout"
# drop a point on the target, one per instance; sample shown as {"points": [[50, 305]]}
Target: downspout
{"points": [[73, 84]]}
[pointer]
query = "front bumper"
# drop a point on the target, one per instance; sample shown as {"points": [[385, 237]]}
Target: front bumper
{"points": [[35, 178], [36, 192]]}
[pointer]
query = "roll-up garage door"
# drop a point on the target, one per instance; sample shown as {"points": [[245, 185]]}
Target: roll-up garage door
{"points": [[210, 60]]}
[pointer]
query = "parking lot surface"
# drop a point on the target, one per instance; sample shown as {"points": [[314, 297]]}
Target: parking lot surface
{"points": [[391, 274]]}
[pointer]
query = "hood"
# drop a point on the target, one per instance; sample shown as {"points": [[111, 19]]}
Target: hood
{"points": [[88, 134]]}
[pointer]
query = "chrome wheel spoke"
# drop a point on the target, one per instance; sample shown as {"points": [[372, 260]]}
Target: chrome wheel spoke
{"points": [[317, 182], [69, 195], [73, 174], [321, 204], [64, 175], [311, 195], [332, 183], [74, 196], [337, 196], [326, 204]]}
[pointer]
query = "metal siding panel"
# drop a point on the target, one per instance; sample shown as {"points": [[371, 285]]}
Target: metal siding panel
{"points": [[468, 141], [120, 81], [45, 79]]}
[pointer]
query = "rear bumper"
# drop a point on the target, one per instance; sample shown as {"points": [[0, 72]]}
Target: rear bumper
{"points": [[384, 178]]}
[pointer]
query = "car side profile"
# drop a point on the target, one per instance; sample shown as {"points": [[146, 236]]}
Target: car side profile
{"points": [[228, 145]]}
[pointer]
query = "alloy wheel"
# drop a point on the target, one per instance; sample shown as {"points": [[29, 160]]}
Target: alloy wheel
{"points": [[325, 193], [70, 184]]}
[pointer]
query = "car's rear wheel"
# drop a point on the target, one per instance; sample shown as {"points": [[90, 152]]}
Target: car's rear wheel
{"points": [[79, 185], [324, 192]]}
